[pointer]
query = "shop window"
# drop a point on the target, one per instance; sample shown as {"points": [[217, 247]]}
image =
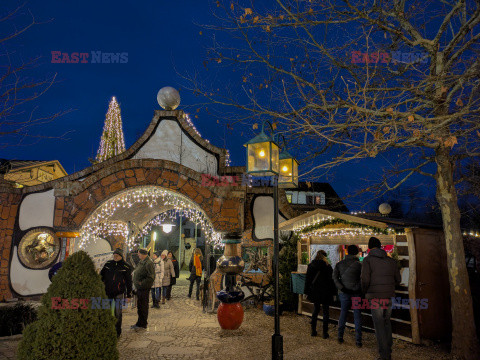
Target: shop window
{"points": [[38, 249], [320, 198]]}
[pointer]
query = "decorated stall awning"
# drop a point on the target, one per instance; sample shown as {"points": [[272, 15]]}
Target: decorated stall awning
{"points": [[322, 226]]}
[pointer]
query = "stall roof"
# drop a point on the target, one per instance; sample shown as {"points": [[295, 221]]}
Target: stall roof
{"points": [[317, 215]]}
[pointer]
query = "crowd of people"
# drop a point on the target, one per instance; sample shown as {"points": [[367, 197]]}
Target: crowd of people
{"points": [[373, 279], [154, 276]]}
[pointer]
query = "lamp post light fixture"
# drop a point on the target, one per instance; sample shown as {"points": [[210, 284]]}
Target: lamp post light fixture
{"points": [[167, 227], [263, 159], [288, 170], [262, 155]]}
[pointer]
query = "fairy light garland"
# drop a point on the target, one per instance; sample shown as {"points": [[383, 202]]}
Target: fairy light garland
{"points": [[98, 224], [473, 233], [356, 229], [112, 141]]}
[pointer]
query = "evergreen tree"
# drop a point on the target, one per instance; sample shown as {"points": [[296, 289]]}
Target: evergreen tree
{"points": [[112, 142], [80, 334]]}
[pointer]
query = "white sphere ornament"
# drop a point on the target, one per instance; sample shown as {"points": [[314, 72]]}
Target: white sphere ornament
{"points": [[168, 98], [385, 209]]}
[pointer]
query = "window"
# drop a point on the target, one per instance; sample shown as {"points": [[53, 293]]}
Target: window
{"points": [[320, 198], [310, 199], [289, 198]]}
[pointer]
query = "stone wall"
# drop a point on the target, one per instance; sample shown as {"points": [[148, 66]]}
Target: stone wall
{"points": [[8, 211]]}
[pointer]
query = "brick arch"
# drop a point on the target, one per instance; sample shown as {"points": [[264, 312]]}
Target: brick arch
{"points": [[76, 200]]}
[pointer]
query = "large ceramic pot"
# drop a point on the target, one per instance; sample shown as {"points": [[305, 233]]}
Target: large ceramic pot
{"points": [[230, 316]]}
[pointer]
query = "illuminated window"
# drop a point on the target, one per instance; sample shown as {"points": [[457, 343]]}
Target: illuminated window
{"points": [[289, 198]]}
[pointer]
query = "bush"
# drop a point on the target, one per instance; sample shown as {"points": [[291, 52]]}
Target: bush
{"points": [[287, 264], [71, 333], [13, 319]]}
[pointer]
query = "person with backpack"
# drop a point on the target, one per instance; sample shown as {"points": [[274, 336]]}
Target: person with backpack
{"points": [[346, 276], [117, 276], [320, 288]]}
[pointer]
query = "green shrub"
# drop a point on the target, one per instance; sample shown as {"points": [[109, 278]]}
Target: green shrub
{"points": [[287, 263], [13, 319], [79, 334]]}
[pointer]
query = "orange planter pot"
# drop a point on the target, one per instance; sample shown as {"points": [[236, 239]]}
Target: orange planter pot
{"points": [[230, 316]]}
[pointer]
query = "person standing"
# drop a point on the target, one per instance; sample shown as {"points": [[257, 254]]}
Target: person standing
{"points": [[195, 267], [320, 288], [380, 275], [143, 279], [157, 284], [168, 274], [346, 276], [173, 280], [117, 276]]}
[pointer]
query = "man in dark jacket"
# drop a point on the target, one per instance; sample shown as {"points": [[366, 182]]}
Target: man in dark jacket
{"points": [[117, 276], [347, 279], [380, 274], [143, 278]]}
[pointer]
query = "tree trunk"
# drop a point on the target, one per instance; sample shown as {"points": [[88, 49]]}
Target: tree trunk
{"points": [[464, 340]]}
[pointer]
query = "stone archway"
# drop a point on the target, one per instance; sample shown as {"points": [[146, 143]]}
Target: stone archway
{"points": [[135, 208], [76, 201]]}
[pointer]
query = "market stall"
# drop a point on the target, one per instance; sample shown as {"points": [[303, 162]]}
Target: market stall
{"points": [[421, 255]]}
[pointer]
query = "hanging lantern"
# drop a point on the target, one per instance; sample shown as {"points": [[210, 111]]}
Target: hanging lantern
{"points": [[288, 170], [262, 155]]}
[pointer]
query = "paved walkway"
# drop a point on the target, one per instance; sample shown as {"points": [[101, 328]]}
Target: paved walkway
{"points": [[180, 330]]}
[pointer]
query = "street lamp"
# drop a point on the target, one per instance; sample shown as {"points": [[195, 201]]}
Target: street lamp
{"points": [[263, 159], [288, 170], [262, 155], [167, 227]]}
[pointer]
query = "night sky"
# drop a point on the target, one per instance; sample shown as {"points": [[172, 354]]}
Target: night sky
{"points": [[163, 43]]}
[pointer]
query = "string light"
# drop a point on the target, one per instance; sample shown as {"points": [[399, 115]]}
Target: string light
{"points": [[190, 122], [99, 224], [112, 142]]}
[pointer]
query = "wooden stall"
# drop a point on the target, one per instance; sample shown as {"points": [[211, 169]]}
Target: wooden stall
{"points": [[420, 251]]}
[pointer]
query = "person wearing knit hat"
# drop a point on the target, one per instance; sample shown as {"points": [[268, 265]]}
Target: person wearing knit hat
{"points": [[167, 275], [380, 275], [373, 243], [118, 252], [346, 276], [143, 279], [117, 276]]}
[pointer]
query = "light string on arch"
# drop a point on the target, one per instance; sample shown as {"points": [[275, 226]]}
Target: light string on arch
{"points": [[99, 222]]}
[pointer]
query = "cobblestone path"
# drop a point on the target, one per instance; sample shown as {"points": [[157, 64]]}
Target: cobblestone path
{"points": [[180, 330]]}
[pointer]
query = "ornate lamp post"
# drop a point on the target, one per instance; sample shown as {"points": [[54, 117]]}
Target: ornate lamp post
{"points": [[263, 159]]}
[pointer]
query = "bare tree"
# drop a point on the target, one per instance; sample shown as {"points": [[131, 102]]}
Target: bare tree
{"points": [[18, 120], [362, 79]]}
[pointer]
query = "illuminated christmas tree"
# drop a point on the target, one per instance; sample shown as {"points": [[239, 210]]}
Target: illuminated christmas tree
{"points": [[112, 142]]}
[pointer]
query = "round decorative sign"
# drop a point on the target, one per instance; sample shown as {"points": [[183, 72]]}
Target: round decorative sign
{"points": [[38, 249]]}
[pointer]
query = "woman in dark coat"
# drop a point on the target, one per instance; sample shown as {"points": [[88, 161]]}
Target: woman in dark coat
{"points": [[320, 288], [173, 280]]}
